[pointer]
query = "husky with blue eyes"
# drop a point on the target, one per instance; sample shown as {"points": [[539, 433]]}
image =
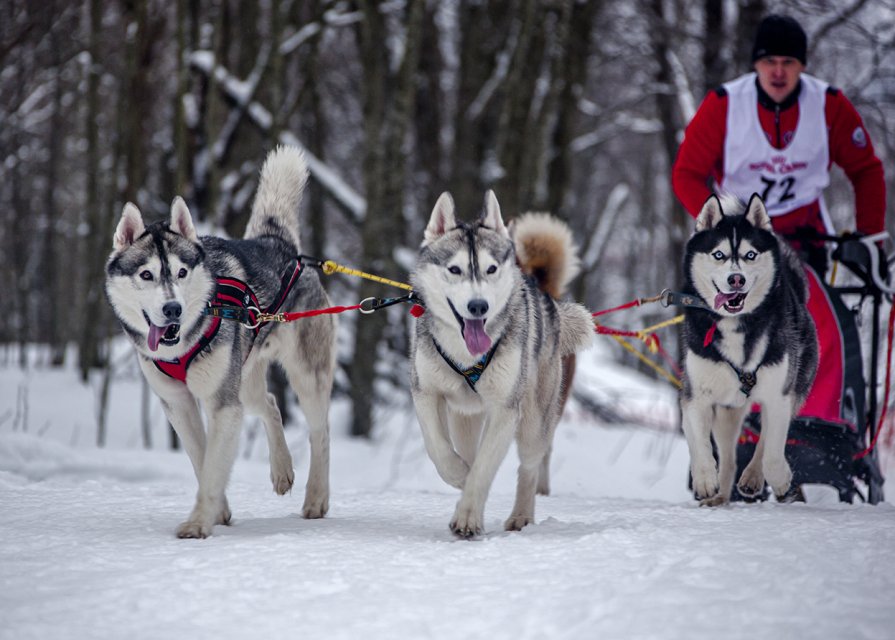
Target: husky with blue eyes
{"points": [[492, 356], [191, 306], [748, 339]]}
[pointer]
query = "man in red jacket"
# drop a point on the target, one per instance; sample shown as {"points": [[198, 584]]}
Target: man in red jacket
{"points": [[776, 132]]}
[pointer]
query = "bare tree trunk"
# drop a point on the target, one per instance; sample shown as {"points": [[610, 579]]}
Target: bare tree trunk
{"points": [[51, 273], [668, 116], [88, 346], [751, 13], [386, 124], [712, 59], [574, 74]]}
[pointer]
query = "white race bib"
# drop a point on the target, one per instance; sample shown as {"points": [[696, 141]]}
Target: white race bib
{"points": [[787, 178]]}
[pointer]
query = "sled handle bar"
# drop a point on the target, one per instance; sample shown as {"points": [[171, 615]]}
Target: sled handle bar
{"points": [[857, 250]]}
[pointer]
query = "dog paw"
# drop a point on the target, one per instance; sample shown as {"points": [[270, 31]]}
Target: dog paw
{"points": [[705, 484], [716, 500], [315, 507], [193, 529], [282, 481], [751, 484], [224, 515], [516, 521], [282, 476], [466, 523], [779, 476]]}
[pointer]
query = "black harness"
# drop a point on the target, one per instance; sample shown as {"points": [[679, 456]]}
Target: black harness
{"points": [[748, 379], [473, 373]]}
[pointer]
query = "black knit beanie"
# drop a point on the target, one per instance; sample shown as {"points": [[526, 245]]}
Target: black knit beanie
{"points": [[780, 36]]}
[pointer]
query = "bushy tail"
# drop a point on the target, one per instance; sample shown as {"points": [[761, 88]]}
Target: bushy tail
{"points": [[275, 211], [545, 250]]}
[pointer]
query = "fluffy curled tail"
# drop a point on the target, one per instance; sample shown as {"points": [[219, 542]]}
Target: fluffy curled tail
{"points": [[282, 183], [546, 251]]}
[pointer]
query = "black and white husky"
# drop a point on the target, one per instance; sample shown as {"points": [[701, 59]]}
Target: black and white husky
{"points": [[752, 341], [487, 355], [176, 295]]}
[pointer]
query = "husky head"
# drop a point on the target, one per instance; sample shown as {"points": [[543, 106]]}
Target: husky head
{"points": [[732, 258], [466, 274], [156, 280]]}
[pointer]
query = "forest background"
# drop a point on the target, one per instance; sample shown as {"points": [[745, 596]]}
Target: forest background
{"points": [[572, 107]]}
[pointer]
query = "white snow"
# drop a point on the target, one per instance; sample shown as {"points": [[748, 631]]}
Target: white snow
{"points": [[87, 546]]}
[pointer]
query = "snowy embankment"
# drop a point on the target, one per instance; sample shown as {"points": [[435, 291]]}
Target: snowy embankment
{"points": [[87, 548]]}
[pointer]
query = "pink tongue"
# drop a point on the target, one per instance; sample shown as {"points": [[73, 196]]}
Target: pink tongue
{"points": [[722, 298], [477, 341], [155, 336]]}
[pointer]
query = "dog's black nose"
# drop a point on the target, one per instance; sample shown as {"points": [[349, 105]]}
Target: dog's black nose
{"points": [[477, 307], [172, 311], [736, 280]]}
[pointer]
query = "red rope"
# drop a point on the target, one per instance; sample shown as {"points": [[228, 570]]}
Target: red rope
{"points": [[627, 305], [882, 414], [289, 317]]}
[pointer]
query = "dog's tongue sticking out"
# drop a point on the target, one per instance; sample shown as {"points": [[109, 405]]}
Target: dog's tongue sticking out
{"points": [[155, 336], [477, 341], [722, 298]]}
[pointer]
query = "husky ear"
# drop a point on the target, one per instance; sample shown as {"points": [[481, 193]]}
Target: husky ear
{"points": [[130, 227], [491, 217], [182, 221], [442, 219], [757, 213], [710, 215]]}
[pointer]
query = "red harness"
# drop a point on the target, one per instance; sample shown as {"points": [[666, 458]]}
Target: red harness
{"points": [[233, 299]]}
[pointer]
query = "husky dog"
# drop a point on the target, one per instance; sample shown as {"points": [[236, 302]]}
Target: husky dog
{"points": [[752, 341], [486, 359], [174, 294]]}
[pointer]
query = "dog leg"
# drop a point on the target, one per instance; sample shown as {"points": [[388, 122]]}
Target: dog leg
{"points": [[726, 431], [313, 391], [533, 448], [258, 401], [465, 434], [697, 424], [223, 440], [775, 417], [469, 516], [751, 483], [544, 473], [449, 465]]}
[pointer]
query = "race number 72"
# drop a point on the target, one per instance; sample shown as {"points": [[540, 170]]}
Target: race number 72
{"points": [[786, 184]]}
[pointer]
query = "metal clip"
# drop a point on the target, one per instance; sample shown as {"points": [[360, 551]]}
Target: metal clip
{"points": [[369, 305], [258, 319]]}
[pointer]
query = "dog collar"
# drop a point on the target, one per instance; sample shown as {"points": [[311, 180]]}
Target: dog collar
{"points": [[473, 373]]}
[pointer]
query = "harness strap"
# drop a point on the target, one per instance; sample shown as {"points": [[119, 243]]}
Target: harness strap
{"points": [[233, 300], [473, 373], [679, 299]]}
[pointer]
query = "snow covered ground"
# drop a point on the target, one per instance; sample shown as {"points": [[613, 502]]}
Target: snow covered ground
{"points": [[87, 546]]}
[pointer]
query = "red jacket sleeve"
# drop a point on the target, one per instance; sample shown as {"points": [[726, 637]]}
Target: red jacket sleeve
{"points": [[851, 149], [700, 157]]}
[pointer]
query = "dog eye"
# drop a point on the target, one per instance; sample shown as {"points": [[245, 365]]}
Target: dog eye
{"points": [[146, 275], [750, 255], [718, 255], [455, 270], [181, 273], [491, 269]]}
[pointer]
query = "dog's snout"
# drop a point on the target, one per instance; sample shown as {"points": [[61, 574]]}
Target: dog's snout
{"points": [[736, 280], [172, 311], [477, 308]]}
